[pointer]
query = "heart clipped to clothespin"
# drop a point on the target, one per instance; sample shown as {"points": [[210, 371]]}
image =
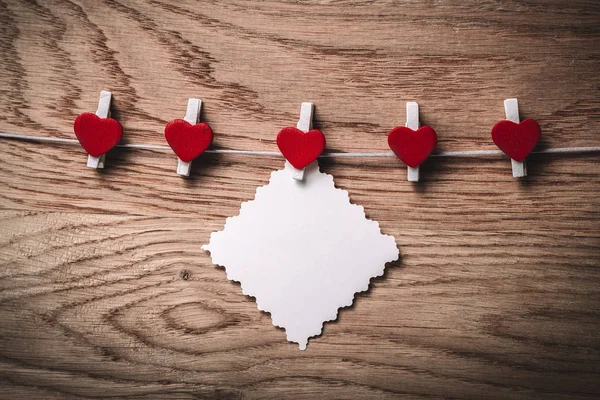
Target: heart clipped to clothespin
{"points": [[98, 133], [301, 145], [412, 143], [516, 139], [187, 137]]}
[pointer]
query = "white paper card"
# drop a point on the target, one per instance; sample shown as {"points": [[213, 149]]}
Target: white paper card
{"points": [[302, 250]]}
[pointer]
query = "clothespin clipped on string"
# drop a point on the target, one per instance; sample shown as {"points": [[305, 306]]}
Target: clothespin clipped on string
{"points": [[98, 133], [187, 137], [412, 143], [301, 145], [516, 139]]}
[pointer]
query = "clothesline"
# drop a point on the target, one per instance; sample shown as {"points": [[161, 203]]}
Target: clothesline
{"points": [[465, 153]]}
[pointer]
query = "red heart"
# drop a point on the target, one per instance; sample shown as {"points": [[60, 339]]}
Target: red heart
{"points": [[300, 148], [97, 135], [188, 141], [516, 140], [412, 147]]}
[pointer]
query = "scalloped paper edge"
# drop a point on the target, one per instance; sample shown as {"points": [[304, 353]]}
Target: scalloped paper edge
{"points": [[256, 282]]}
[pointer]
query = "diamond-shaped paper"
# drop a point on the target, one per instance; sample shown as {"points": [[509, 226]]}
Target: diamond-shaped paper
{"points": [[302, 250]]}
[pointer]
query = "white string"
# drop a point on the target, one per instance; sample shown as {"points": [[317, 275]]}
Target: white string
{"points": [[465, 153]]}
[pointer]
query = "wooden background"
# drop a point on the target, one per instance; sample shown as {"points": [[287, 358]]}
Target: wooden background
{"points": [[106, 293]]}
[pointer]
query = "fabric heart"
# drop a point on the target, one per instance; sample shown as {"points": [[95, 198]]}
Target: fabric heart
{"points": [[412, 147], [300, 148], [188, 141], [97, 135], [516, 140]]}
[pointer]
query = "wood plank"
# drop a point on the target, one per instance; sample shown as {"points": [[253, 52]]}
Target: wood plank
{"points": [[138, 299], [459, 62], [105, 291], [561, 191]]}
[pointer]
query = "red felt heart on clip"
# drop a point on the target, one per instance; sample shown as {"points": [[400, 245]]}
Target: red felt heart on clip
{"points": [[412, 147], [97, 135], [300, 148], [516, 140], [188, 141]]}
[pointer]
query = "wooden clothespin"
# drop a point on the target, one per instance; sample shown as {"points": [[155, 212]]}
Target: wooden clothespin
{"points": [[304, 124], [412, 143], [301, 145], [103, 111], [192, 114], [98, 133], [412, 122], [187, 137], [516, 139], [511, 109]]}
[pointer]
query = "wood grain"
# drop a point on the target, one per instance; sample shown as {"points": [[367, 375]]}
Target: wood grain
{"points": [[106, 293]]}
